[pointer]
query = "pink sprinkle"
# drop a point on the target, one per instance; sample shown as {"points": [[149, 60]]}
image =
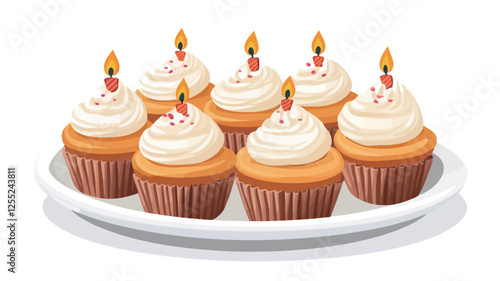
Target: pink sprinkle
{"points": [[323, 75], [375, 101], [372, 89], [313, 72], [239, 70], [181, 121], [170, 116], [237, 82], [390, 100], [187, 115], [170, 71], [281, 122], [170, 61], [96, 103], [250, 76], [379, 96], [185, 65], [114, 99], [308, 64], [172, 123], [300, 119], [277, 111], [103, 95], [192, 123], [166, 67], [164, 115]]}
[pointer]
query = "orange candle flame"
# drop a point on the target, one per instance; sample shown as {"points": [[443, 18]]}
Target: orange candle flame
{"points": [[288, 88], [181, 41], [182, 92], [252, 45], [318, 44], [386, 63], [111, 65]]}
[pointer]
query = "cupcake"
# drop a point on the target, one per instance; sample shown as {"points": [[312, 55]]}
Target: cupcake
{"points": [[241, 103], [182, 168], [102, 137], [288, 170], [323, 87], [157, 86], [386, 148]]}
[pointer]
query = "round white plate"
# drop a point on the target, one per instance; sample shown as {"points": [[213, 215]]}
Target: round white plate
{"points": [[446, 178]]}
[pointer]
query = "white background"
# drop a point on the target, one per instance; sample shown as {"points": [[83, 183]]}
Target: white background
{"points": [[443, 51]]}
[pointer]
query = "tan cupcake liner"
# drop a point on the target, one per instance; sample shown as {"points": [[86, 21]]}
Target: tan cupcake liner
{"points": [[203, 201], [102, 179], [271, 205], [235, 141], [385, 186], [332, 131]]}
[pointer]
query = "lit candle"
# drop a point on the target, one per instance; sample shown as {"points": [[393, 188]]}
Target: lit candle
{"points": [[318, 46], [182, 94], [288, 91], [252, 47], [181, 43], [111, 67], [386, 65]]}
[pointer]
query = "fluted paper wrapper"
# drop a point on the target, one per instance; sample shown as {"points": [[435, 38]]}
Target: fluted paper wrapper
{"points": [[203, 201], [385, 186], [235, 141], [102, 179], [332, 131], [271, 205]]}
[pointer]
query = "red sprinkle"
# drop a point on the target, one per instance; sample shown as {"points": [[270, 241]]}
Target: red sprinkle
{"points": [[323, 75], [170, 116], [308, 64], [187, 115], [375, 101], [372, 89], [185, 65], [96, 103], [170, 71], [237, 82], [239, 70], [171, 61], [277, 111], [281, 122], [166, 67], [379, 96], [114, 99], [164, 115], [300, 119], [250, 76], [172, 123], [313, 72], [390, 100], [181, 121], [192, 123], [103, 95]]}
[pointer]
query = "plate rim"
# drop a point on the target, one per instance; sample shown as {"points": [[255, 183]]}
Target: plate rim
{"points": [[253, 230]]}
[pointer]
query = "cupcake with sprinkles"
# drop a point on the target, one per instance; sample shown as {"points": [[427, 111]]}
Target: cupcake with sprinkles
{"points": [[182, 168], [288, 170], [157, 86], [323, 87], [102, 137], [242, 102]]}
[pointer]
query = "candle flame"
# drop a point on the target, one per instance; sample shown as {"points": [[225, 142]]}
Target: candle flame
{"points": [[386, 63], [181, 41], [252, 45], [288, 88], [111, 65], [318, 44], [182, 92]]}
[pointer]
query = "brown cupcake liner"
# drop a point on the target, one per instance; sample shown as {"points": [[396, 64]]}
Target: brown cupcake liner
{"points": [[332, 131], [203, 201], [271, 205], [102, 179], [235, 141], [385, 186]]}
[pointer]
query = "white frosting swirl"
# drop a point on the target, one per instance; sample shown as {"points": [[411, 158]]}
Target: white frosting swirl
{"points": [[110, 115], [248, 91], [384, 123], [292, 137], [161, 83], [176, 139], [320, 86]]}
